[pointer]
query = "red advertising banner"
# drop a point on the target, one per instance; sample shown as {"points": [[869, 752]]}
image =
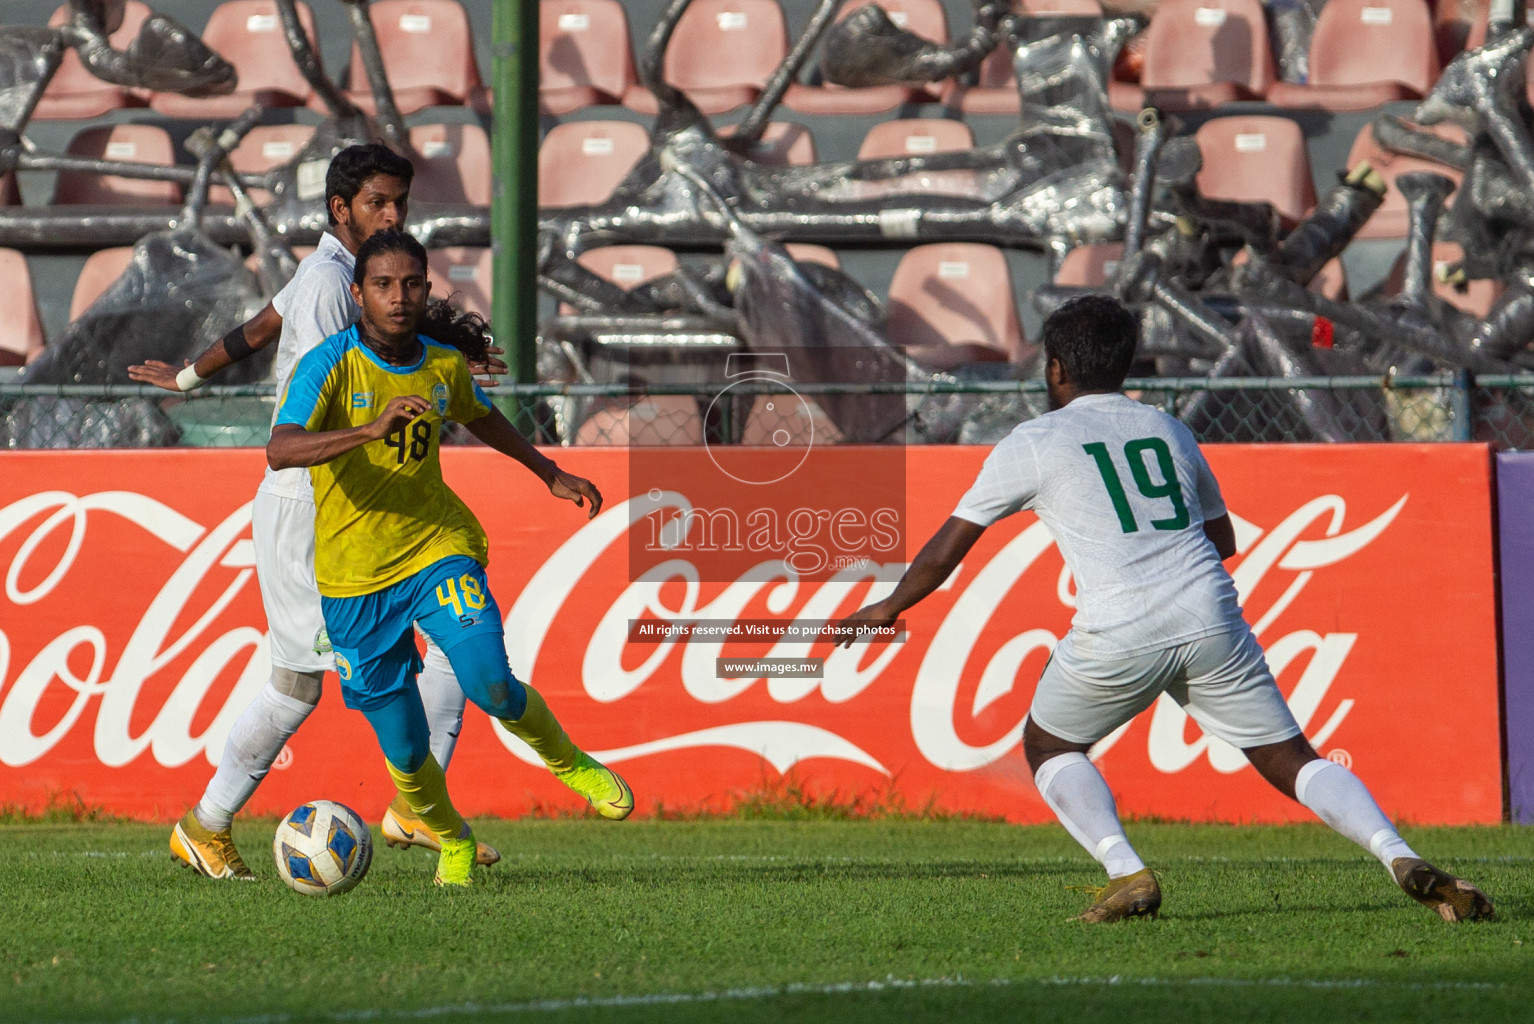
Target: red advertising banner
{"points": [[132, 635]]}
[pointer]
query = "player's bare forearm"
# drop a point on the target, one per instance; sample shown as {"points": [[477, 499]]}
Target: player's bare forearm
{"points": [[291, 446], [497, 432], [1222, 534], [241, 343], [933, 564]]}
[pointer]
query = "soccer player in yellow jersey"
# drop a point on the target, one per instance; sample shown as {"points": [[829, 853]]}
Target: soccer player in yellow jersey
{"points": [[393, 545]]}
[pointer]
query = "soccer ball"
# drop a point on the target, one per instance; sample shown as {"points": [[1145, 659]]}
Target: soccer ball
{"points": [[322, 849]]}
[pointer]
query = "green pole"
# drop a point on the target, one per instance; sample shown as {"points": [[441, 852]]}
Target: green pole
{"points": [[514, 210]]}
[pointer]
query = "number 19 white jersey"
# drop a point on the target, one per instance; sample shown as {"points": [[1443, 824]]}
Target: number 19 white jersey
{"points": [[1125, 491]]}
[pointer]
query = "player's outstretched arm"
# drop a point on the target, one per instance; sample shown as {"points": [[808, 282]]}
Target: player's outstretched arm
{"points": [[241, 343], [934, 563], [292, 446], [1222, 534], [496, 431]]}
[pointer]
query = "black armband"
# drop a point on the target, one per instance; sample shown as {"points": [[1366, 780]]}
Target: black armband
{"points": [[236, 345]]}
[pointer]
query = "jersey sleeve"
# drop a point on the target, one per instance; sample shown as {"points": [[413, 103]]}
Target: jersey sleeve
{"points": [[316, 305], [310, 389], [1209, 497], [1007, 483], [468, 401]]}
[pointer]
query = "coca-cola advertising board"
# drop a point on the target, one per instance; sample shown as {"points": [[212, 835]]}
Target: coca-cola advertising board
{"points": [[132, 635]]}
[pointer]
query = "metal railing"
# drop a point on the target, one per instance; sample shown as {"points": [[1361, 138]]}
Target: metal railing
{"points": [[1436, 407]]}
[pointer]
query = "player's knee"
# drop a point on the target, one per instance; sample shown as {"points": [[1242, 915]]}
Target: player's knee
{"points": [[408, 753], [301, 686], [486, 677]]}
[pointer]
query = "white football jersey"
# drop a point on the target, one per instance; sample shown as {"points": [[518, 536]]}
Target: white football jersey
{"points": [[314, 305], [1125, 491]]}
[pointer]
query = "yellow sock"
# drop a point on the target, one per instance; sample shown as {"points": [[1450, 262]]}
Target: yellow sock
{"points": [[539, 729], [425, 792]]}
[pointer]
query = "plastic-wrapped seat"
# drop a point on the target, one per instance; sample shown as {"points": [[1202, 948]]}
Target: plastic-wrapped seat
{"points": [[918, 136], [995, 89], [428, 55], [21, 331], [584, 54], [248, 34], [721, 54], [464, 270], [953, 303], [627, 266], [925, 18], [73, 92], [1202, 53], [128, 143], [263, 147], [1364, 53], [452, 164], [581, 162], [783, 144], [101, 269], [1477, 298], [1257, 159], [1389, 221]]}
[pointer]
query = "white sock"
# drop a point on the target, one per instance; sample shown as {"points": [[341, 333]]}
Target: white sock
{"points": [[1076, 791], [1343, 802], [254, 743], [444, 702]]}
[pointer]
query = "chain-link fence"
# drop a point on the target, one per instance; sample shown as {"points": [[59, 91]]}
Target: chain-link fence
{"points": [[1444, 407]]}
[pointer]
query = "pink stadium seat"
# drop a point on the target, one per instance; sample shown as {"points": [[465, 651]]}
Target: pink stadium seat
{"points": [[1202, 53], [803, 252], [428, 53], [581, 162], [1364, 53], [464, 271], [129, 143], [1090, 266], [783, 144], [721, 54], [777, 421], [915, 136], [952, 303], [21, 331], [627, 266], [248, 34], [1477, 298], [1389, 221], [103, 268], [10, 192], [995, 88], [584, 58], [1257, 159], [452, 164], [74, 92], [263, 147], [925, 18], [659, 420]]}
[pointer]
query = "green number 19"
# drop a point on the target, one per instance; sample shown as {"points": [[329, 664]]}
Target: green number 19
{"points": [[1169, 488]]}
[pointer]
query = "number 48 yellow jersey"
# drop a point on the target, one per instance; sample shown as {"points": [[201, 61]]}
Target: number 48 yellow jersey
{"points": [[382, 511]]}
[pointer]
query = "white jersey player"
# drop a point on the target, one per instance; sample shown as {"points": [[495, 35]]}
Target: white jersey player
{"points": [[367, 190], [1138, 517]]}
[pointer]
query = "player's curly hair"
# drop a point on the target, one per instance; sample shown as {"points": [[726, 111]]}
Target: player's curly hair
{"points": [[1094, 337], [463, 329]]}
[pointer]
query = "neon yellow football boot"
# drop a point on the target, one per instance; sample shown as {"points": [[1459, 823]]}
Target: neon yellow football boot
{"points": [[402, 830], [455, 864], [602, 787], [207, 852]]}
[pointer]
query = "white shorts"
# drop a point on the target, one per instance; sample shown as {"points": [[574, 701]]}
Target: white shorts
{"points": [[282, 530], [1222, 681]]}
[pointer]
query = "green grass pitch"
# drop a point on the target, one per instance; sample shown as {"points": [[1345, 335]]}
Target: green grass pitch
{"points": [[749, 921]]}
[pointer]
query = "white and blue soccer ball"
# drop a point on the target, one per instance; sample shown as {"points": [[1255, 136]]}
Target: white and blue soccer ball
{"points": [[322, 849]]}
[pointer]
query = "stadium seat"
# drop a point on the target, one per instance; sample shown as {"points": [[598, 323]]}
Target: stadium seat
{"points": [[1364, 53], [73, 92], [925, 18], [783, 144], [584, 58], [658, 420], [721, 54], [1389, 221], [428, 54], [995, 88], [464, 270], [21, 332], [248, 34], [10, 191], [581, 162], [1477, 298], [452, 164], [1331, 281], [1257, 159], [128, 143], [101, 269], [952, 303], [777, 421], [1202, 53], [1090, 266], [263, 147], [627, 266], [921, 135], [803, 252]]}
